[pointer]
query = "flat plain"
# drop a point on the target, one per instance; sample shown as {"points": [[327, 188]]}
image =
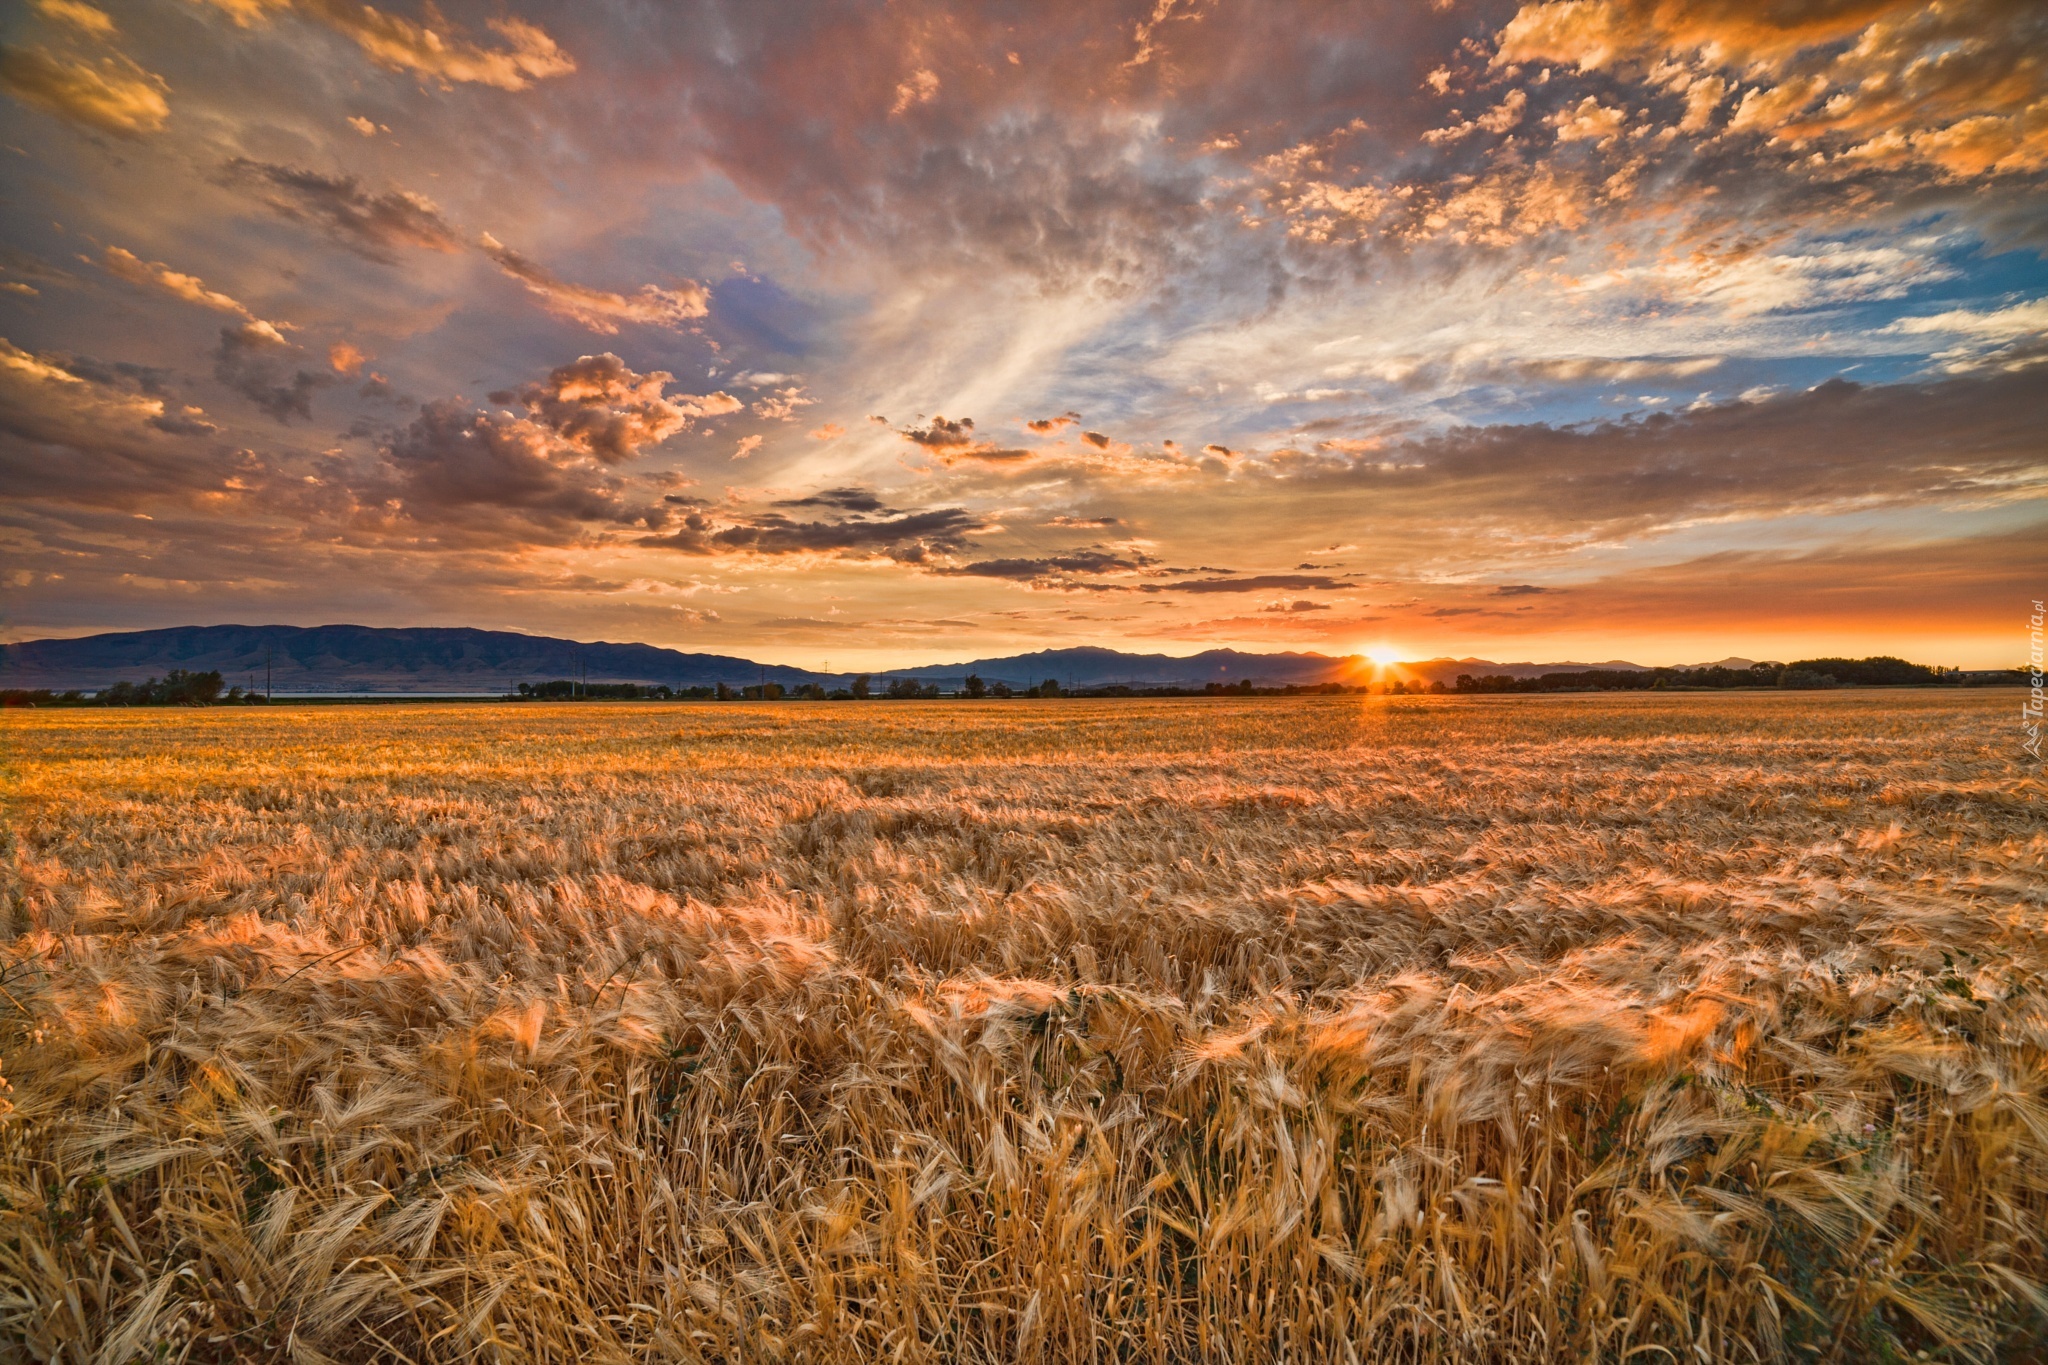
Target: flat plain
{"points": [[1660, 1027]]}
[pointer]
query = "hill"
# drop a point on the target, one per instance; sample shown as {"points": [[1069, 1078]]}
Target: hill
{"points": [[313, 659]]}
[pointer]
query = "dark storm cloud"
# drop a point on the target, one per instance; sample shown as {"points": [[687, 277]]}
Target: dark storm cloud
{"points": [[256, 362], [1836, 447], [908, 537], [105, 434], [1073, 562], [1264, 582], [953, 439], [843, 499], [455, 461], [375, 225]]}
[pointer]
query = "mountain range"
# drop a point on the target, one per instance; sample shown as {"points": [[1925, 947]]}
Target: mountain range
{"points": [[350, 659]]}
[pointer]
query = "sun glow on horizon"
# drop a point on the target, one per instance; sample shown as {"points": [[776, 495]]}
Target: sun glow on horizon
{"points": [[1383, 656]]}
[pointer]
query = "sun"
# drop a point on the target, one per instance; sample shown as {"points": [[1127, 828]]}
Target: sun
{"points": [[1383, 655]]}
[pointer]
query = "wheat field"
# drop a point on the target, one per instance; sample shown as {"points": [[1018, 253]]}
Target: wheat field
{"points": [[1660, 1028]]}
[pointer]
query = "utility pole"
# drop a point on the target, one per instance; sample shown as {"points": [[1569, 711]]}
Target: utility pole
{"points": [[267, 651]]}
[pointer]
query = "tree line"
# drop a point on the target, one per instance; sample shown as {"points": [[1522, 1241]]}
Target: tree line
{"points": [[182, 688], [1805, 675], [176, 688]]}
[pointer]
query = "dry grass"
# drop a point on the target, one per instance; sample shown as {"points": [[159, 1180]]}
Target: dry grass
{"points": [[1685, 1029]]}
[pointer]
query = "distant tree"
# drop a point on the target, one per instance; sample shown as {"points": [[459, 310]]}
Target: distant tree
{"points": [[725, 692], [860, 687], [1049, 688], [1880, 671], [903, 688], [1806, 680], [975, 686], [175, 688], [1000, 689]]}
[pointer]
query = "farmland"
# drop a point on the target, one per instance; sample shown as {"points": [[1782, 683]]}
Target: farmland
{"points": [[1698, 1027]]}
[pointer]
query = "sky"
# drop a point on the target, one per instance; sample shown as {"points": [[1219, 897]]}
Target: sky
{"points": [[853, 335]]}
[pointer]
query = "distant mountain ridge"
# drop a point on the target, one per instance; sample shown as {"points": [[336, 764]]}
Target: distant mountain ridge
{"points": [[342, 658]]}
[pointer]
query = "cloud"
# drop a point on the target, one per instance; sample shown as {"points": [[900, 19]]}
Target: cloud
{"points": [[156, 275], [1096, 439], [1299, 605], [2009, 338], [371, 225], [1884, 83], [1603, 369], [254, 361], [1839, 447], [345, 357], [829, 432], [1045, 426], [113, 95], [941, 434], [95, 23], [747, 446], [525, 54], [922, 87], [600, 310], [1520, 590], [781, 405], [867, 530], [954, 439], [1056, 566], [82, 432], [843, 499], [599, 406], [1266, 582], [1084, 522], [454, 459]]}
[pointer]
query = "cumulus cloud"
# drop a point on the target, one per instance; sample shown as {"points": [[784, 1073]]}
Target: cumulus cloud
{"points": [[600, 310], [369, 224], [524, 54], [781, 405], [1951, 88], [454, 459], [921, 87], [598, 405], [112, 95], [1045, 426], [541, 473], [953, 439]]}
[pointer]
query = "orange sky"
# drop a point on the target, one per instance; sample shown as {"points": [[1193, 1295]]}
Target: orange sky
{"points": [[878, 335]]}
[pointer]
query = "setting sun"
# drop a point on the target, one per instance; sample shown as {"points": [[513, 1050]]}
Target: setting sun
{"points": [[1383, 656]]}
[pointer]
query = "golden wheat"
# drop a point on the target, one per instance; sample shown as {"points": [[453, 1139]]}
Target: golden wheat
{"points": [[1701, 1028]]}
